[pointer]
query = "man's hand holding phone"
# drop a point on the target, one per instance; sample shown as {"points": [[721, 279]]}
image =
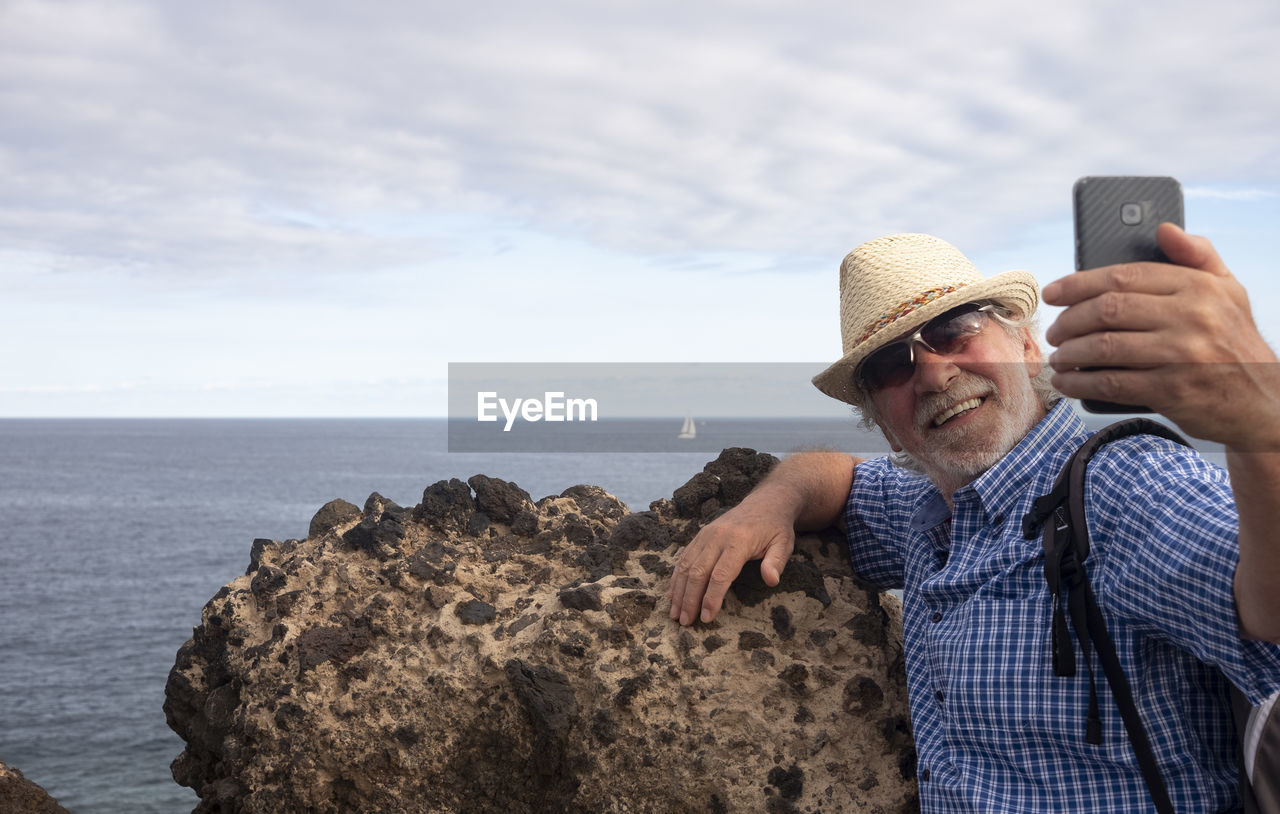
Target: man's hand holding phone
{"points": [[1178, 337]]}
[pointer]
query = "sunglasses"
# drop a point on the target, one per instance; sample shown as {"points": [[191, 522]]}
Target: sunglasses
{"points": [[894, 364]]}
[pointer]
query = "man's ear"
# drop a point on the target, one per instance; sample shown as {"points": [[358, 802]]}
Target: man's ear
{"points": [[893, 443], [1031, 353]]}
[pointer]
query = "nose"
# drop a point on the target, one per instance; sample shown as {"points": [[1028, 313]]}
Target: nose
{"points": [[934, 371]]}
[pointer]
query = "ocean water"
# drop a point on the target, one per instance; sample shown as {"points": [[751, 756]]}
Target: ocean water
{"points": [[115, 533]]}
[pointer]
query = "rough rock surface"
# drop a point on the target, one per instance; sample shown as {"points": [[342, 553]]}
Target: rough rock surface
{"points": [[484, 653], [18, 795]]}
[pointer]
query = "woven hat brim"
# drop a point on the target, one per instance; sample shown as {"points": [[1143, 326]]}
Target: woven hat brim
{"points": [[1016, 289]]}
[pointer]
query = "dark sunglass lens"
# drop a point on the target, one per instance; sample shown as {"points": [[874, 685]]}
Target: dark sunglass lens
{"points": [[887, 367], [948, 335]]}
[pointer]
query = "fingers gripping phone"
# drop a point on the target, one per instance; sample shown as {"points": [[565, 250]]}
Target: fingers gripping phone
{"points": [[1115, 222]]}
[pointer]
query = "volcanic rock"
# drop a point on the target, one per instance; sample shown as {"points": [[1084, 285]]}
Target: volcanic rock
{"points": [[421, 660], [331, 515], [18, 795]]}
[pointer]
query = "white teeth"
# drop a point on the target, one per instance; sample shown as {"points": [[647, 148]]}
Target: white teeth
{"points": [[956, 410]]}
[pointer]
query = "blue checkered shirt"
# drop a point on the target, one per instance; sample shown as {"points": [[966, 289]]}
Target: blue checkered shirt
{"points": [[995, 729]]}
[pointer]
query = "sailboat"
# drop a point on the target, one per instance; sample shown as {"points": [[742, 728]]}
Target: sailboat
{"points": [[687, 431]]}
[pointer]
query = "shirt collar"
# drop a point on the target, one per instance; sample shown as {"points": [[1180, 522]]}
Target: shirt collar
{"points": [[1031, 464], [931, 511]]}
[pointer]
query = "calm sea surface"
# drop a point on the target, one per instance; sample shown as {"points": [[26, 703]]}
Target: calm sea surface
{"points": [[114, 534]]}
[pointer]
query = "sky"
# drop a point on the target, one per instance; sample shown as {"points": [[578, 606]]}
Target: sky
{"points": [[313, 208]]}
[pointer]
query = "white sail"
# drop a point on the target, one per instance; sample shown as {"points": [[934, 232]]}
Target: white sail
{"points": [[688, 430]]}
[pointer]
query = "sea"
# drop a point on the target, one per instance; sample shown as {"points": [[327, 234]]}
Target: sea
{"points": [[114, 533]]}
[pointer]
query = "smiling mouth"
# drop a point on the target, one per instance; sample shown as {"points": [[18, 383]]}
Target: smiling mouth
{"points": [[958, 409]]}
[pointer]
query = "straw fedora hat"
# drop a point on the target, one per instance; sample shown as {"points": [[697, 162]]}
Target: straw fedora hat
{"points": [[892, 285]]}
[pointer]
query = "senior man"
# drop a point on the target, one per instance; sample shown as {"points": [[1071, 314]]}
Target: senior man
{"points": [[945, 363]]}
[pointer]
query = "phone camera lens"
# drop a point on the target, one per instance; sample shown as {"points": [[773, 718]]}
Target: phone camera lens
{"points": [[1131, 214]]}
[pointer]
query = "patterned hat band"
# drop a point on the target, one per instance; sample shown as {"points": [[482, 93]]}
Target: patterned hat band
{"points": [[885, 320]]}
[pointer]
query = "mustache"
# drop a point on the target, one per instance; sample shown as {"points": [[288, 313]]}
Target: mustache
{"points": [[964, 387]]}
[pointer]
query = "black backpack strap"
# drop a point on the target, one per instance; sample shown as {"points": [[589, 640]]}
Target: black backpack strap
{"points": [[1066, 547], [1240, 709], [1066, 539]]}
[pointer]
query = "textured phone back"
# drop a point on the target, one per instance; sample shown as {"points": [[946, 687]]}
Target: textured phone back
{"points": [[1103, 237]]}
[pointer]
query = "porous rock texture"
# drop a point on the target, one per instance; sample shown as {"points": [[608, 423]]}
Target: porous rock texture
{"points": [[484, 653], [18, 795]]}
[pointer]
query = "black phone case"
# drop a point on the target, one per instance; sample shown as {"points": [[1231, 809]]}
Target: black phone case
{"points": [[1105, 208]]}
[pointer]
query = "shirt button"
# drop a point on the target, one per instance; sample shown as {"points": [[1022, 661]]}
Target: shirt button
{"points": [[998, 519], [924, 775], [937, 617], [939, 696]]}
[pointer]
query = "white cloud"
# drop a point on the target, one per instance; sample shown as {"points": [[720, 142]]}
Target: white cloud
{"points": [[310, 152], [146, 130], [1229, 194]]}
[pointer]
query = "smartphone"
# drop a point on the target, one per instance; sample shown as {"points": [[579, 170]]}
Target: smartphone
{"points": [[1115, 222]]}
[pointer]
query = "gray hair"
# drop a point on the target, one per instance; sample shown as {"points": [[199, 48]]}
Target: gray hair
{"points": [[1040, 384]]}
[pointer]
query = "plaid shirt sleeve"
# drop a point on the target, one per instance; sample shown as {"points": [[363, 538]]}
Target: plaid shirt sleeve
{"points": [[1163, 528], [879, 507]]}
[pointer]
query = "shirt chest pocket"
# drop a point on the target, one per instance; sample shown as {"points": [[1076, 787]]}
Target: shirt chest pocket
{"points": [[993, 661]]}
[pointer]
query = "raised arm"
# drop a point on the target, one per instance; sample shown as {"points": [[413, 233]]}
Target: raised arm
{"points": [[804, 492], [1180, 337]]}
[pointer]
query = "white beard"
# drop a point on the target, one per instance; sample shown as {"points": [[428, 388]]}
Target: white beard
{"points": [[952, 460]]}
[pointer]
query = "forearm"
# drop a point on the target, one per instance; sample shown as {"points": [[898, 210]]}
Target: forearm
{"points": [[809, 488], [1255, 479]]}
